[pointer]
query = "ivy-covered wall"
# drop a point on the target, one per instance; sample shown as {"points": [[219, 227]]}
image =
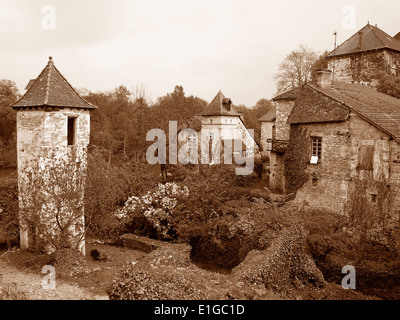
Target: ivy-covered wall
{"points": [[365, 67], [296, 159]]}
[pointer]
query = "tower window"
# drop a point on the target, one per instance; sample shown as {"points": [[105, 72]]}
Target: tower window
{"points": [[71, 130]]}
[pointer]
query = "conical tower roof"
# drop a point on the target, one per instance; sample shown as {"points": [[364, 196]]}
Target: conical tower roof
{"points": [[219, 107], [51, 89]]}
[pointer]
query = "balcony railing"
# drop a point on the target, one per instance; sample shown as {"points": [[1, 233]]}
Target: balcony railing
{"points": [[279, 146]]}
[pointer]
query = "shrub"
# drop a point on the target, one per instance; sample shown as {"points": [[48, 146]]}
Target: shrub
{"points": [[9, 223], [139, 283], [107, 187], [157, 207]]}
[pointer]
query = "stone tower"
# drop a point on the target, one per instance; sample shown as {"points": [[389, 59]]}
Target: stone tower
{"points": [[53, 128], [224, 122]]}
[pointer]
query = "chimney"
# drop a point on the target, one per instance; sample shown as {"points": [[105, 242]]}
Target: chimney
{"points": [[360, 40], [324, 78]]}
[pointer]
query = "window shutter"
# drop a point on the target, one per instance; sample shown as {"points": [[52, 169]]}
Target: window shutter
{"points": [[366, 158]]}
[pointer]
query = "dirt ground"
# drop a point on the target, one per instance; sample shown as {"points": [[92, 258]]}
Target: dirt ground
{"points": [[21, 271]]}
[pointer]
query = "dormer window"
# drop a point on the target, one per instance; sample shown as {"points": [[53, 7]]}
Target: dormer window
{"points": [[227, 104]]}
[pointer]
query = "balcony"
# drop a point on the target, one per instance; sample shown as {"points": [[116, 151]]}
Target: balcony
{"points": [[278, 146]]}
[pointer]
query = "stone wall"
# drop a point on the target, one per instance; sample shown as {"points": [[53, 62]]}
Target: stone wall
{"points": [[282, 132], [283, 110], [266, 133], [329, 181], [364, 67], [42, 144]]}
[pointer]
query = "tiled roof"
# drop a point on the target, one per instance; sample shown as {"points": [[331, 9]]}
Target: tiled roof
{"points": [[270, 116], [217, 107], [312, 106], [381, 110], [51, 89], [373, 38], [288, 95]]}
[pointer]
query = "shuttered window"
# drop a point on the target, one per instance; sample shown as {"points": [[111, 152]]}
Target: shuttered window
{"points": [[366, 158]]}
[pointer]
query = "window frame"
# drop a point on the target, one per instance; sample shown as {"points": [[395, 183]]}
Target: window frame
{"points": [[71, 137], [316, 150]]}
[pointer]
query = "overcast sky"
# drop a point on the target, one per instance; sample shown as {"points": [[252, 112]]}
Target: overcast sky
{"points": [[203, 45]]}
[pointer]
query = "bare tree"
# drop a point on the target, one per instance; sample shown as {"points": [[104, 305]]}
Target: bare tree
{"points": [[295, 69]]}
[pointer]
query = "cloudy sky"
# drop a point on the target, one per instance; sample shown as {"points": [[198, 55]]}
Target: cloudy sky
{"points": [[203, 45]]}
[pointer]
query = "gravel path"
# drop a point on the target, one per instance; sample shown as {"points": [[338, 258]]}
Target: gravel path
{"points": [[31, 285]]}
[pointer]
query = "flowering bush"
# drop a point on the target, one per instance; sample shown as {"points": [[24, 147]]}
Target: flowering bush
{"points": [[157, 207]]}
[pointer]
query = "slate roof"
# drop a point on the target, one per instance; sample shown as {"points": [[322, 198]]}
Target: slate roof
{"points": [[51, 89], [373, 39], [317, 104], [217, 108], [270, 116]]}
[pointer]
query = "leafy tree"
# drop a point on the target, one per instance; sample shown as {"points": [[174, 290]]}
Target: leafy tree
{"points": [[295, 69], [9, 93], [389, 84]]}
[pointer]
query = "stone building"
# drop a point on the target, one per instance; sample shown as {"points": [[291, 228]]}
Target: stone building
{"points": [[268, 131], [53, 128], [275, 137], [368, 52], [330, 137], [342, 135], [225, 124]]}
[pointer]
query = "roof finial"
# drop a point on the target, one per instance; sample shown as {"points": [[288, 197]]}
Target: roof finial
{"points": [[50, 60]]}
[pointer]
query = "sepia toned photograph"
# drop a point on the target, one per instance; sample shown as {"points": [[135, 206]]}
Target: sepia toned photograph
{"points": [[212, 152]]}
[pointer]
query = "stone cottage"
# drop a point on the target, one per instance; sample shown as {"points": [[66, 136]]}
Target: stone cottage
{"points": [[53, 128], [368, 52], [341, 135], [330, 137]]}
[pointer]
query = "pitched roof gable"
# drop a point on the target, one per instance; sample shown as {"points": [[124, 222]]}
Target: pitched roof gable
{"points": [[373, 38], [217, 107], [312, 106], [288, 95], [270, 116], [379, 109], [51, 89]]}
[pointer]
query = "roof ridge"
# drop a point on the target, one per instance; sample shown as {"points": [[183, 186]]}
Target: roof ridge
{"points": [[49, 64]]}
